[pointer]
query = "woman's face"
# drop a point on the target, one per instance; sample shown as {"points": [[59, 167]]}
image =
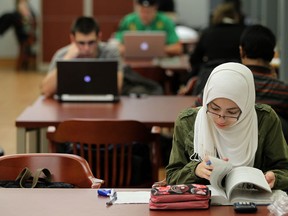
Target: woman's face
{"points": [[223, 112]]}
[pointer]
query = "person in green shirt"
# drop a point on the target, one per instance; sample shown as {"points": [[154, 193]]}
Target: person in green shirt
{"points": [[231, 127], [147, 18]]}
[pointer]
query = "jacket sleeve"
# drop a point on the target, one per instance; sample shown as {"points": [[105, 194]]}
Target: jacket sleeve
{"points": [[181, 170], [272, 153]]}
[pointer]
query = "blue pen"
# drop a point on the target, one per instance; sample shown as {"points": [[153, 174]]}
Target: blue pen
{"points": [[208, 162], [104, 192]]}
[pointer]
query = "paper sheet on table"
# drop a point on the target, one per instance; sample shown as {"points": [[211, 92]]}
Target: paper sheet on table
{"points": [[132, 197]]}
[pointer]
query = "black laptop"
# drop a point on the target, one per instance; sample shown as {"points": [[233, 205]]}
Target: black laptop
{"points": [[87, 80]]}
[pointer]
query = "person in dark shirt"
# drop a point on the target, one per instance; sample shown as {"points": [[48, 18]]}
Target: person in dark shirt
{"points": [[218, 43], [257, 46]]}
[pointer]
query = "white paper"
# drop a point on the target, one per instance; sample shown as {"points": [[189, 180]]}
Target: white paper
{"points": [[132, 197]]}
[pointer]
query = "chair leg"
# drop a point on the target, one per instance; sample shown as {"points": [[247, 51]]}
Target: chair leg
{"points": [[20, 58], [1, 152], [26, 59]]}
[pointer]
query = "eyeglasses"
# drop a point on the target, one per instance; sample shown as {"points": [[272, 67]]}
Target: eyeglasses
{"points": [[230, 118], [89, 43]]}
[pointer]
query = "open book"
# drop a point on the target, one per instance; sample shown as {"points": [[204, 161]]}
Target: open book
{"points": [[229, 185]]}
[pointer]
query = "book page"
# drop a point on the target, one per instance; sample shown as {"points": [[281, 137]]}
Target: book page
{"points": [[246, 180], [259, 197], [220, 170], [218, 197], [241, 196]]}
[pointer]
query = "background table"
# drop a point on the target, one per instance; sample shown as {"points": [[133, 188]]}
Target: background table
{"points": [[85, 202], [166, 71], [151, 110]]}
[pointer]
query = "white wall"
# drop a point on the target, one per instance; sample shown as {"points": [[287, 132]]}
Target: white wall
{"points": [[194, 13], [8, 42]]}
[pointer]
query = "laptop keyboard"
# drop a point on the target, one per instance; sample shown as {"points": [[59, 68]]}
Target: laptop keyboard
{"points": [[108, 97]]}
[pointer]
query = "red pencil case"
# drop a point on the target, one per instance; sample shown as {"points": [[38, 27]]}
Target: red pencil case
{"points": [[184, 196]]}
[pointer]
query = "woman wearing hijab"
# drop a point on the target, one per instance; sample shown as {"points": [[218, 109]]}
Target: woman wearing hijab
{"points": [[231, 127]]}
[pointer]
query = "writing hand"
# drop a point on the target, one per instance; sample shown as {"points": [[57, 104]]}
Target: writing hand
{"points": [[270, 178], [204, 169]]}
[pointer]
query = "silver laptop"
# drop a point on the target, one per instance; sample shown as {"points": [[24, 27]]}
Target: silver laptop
{"points": [[144, 44], [93, 80]]}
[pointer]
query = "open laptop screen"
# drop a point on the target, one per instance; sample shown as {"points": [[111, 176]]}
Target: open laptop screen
{"points": [[144, 44], [87, 80]]}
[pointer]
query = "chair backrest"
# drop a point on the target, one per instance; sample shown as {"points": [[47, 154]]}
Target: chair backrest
{"points": [[64, 167], [107, 145]]}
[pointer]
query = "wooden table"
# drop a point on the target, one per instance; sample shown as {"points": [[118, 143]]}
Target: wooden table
{"points": [[161, 70], [85, 202], [151, 110], [177, 63]]}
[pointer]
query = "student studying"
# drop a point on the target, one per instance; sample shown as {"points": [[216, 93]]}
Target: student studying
{"points": [[231, 127], [148, 18], [86, 43]]}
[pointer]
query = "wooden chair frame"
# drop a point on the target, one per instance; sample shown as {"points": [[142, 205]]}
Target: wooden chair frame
{"points": [[85, 135], [63, 167]]}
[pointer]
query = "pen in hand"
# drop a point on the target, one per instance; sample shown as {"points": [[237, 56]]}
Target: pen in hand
{"points": [[208, 163]]}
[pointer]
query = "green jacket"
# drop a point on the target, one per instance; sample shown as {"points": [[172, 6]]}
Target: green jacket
{"points": [[132, 22], [271, 155]]}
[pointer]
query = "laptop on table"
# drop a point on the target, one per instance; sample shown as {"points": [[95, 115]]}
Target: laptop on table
{"points": [[87, 80], [144, 44]]}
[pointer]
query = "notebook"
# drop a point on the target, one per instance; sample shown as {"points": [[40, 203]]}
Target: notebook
{"points": [[81, 80], [143, 44]]}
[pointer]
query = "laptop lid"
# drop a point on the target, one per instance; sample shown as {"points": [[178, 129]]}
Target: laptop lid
{"points": [[87, 80], [144, 44]]}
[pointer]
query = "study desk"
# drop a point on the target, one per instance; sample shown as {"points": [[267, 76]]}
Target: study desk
{"points": [[151, 110], [85, 202], [165, 71], [176, 63]]}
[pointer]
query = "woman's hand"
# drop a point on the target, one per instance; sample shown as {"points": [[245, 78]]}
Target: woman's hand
{"points": [[204, 169], [270, 178]]}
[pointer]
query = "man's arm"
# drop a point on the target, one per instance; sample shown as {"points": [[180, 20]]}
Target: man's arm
{"points": [[174, 49], [49, 84], [173, 44], [120, 77]]}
